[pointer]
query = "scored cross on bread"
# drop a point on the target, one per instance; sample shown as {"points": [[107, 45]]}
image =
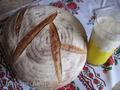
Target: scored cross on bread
{"points": [[56, 44]]}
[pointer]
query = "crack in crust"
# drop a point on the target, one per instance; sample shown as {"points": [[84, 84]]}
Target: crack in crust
{"points": [[18, 20], [55, 48], [73, 49]]}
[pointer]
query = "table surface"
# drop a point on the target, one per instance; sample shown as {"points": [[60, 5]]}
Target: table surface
{"points": [[92, 77]]}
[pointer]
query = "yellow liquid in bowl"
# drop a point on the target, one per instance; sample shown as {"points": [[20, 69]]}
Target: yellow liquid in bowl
{"points": [[95, 56]]}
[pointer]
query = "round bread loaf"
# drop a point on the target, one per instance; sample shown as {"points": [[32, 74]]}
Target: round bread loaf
{"points": [[45, 46]]}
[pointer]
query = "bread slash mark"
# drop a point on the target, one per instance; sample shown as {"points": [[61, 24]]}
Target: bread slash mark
{"points": [[24, 42], [55, 48], [73, 49], [18, 20]]}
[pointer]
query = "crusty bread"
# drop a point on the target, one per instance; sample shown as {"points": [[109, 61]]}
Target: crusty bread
{"points": [[45, 46]]}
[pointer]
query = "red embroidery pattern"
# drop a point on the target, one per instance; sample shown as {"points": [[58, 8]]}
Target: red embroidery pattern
{"points": [[69, 5], [70, 86], [113, 60], [7, 80], [91, 79], [58, 4]]}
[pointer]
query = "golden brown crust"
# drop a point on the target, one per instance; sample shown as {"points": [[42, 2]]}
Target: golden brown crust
{"points": [[73, 49], [18, 20], [31, 35], [55, 48]]}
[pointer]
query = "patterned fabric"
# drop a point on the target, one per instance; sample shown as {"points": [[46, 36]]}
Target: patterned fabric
{"points": [[113, 60], [7, 80], [70, 86], [70, 5], [92, 77]]}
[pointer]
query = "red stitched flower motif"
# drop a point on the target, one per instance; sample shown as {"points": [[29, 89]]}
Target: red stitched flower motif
{"points": [[113, 60], [108, 65], [110, 61], [90, 75], [67, 87], [96, 81], [72, 5], [58, 4], [100, 88], [85, 68], [2, 74]]}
